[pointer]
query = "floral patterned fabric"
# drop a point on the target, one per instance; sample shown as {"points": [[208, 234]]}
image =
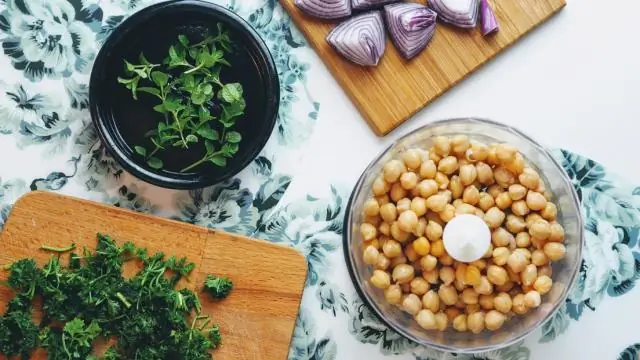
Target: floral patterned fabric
{"points": [[47, 142]]}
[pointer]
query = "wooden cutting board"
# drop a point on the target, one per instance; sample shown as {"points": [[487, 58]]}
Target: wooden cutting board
{"points": [[387, 95], [256, 320]]}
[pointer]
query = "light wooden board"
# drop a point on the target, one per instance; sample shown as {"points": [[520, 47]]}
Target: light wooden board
{"points": [[389, 94], [257, 319]]}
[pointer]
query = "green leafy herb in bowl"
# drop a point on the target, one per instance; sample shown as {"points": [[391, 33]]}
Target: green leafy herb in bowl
{"points": [[187, 87]]}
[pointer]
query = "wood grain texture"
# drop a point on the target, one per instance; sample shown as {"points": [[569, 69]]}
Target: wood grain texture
{"points": [[257, 319], [389, 94]]}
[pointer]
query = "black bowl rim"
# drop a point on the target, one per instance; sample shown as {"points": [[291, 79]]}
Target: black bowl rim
{"points": [[272, 83]]}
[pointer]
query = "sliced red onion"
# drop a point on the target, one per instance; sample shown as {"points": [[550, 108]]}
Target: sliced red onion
{"points": [[488, 18], [460, 13], [411, 27], [360, 39], [369, 4], [325, 9]]}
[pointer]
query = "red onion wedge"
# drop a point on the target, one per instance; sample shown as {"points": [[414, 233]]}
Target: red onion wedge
{"points": [[325, 9], [488, 18], [360, 39], [460, 13], [369, 4], [411, 27]]}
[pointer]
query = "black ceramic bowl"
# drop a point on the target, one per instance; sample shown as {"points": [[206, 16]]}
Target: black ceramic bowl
{"points": [[122, 122]]}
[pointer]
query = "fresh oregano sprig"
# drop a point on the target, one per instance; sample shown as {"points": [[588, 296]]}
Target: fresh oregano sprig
{"points": [[187, 85]]}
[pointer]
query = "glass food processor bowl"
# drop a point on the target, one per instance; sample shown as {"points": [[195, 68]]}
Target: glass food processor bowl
{"points": [[564, 271]]}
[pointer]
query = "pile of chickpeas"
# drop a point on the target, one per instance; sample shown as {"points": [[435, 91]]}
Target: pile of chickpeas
{"points": [[416, 196]]}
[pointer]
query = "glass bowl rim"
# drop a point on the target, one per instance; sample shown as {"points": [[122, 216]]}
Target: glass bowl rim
{"points": [[373, 306]]}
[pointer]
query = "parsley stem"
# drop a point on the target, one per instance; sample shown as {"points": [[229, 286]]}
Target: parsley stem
{"points": [[194, 69], [204, 159], [123, 299], [58, 249]]}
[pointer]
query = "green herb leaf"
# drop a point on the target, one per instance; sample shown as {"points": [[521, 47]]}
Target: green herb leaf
{"points": [[229, 149], [207, 89], [160, 108], [150, 90], [208, 133], [219, 160], [143, 59], [233, 137], [129, 66], [183, 40], [191, 138], [208, 144], [159, 78], [155, 163], [204, 114], [231, 93], [140, 150], [198, 98]]}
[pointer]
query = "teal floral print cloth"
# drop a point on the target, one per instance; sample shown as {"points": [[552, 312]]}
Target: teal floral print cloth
{"points": [[47, 142]]}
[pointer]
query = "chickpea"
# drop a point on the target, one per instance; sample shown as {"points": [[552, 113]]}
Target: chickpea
{"points": [[368, 231], [486, 302], [432, 276], [550, 211], [540, 229], [447, 275], [494, 217], [460, 144], [442, 180], [410, 253], [370, 255], [412, 159], [428, 170], [501, 255], [455, 187], [448, 165], [448, 213], [532, 299], [503, 177], [442, 145], [519, 306], [536, 201], [531, 218], [515, 224], [538, 258], [411, 303], [409, 180], [517, 165], [505, 153], [494, 190], [501, 237], [497, 275], [520, 208], [437, 203], [385, 229], [529, 275], [557, 233], [485, 287], [469, 296], [460, 323], [545, 270], [484, 173], [408, 221], [452, 312], [517, 262], [428, 262], [380, 187], [494, 320], [480, 263], [380, 279], [442, 321], [448, 294], [397, 192], [525, 252], [419, 286], [388, 212], [433, 231], [403, 273], [431, 301], [485, 201], [543, 284], [371, 207], [555, 251], [502, 302], [468, 174], [420, 247], [373, 220], [393, 294], [471, 195], [503, 201], [477, 152], [392, 170], [517, 192], [468, 274], [437, 248], [398, 233], [529, 178], [475, 322], [421, 227], [383, 262], [426, 319], [403, 205], [391, 249], [489, 252], [466, 209], [507, 286], [523, 240]]}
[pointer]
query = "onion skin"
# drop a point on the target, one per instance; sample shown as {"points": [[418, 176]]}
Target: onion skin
{"points": [[360, 39], [369, 4], [411, 27], [488, 18], [465, 19], [325, 9]]}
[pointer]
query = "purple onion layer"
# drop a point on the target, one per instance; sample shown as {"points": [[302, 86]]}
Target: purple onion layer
{"points": [[325, 9], [460, 13], [369, 4], [411, 27], [488, 18], [360, 39]]}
